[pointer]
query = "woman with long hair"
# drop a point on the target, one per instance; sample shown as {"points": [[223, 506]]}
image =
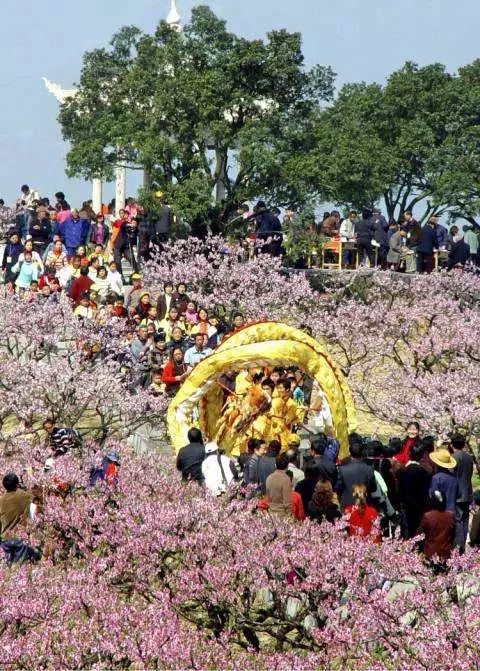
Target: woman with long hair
{"points": [[324, 503]]}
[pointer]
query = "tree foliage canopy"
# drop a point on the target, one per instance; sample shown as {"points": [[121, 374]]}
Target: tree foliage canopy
{"points": [[211, 116], [413, 141]]}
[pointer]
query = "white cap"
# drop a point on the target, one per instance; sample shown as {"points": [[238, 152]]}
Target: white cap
{"points": [[211, 447]]}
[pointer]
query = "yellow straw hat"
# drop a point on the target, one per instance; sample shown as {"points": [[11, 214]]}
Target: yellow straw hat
{"points": [[443, 458]]}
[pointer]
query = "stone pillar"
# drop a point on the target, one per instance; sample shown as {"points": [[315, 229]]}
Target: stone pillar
{"points": [[97, 194], [120, 188]]}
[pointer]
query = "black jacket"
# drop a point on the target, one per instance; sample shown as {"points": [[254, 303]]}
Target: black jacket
{"points": [[428, 240], [364, 230], [257, 470], [379, 233], [189, 461], [464, 473], [413, 485], [326, 468], [40, 231], [354, 472]]}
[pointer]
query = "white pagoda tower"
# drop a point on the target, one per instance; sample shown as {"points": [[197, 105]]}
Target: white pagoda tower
{"points": [[174, 21]]}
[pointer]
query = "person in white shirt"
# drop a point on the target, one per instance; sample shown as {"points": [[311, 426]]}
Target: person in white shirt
{"points": [[115, 279], [26, 207], [197, 353], [218, 470], [347, 227], [347, 234]]}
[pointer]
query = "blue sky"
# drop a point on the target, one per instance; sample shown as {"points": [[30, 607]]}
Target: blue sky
{"points": [[360, 39]]}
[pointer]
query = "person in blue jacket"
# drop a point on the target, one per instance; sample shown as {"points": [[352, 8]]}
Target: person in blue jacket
{"points": [[74, 232]]}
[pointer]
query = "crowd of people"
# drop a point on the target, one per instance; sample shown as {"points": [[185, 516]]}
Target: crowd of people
{"points": [[403, 245], [409, 487], [415, 487]]}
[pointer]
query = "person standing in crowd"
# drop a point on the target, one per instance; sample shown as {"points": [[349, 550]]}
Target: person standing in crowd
{"points": [[26, 271], [413, 492], [26, 208], [165, 301], [74, 232], [325, 467], [464, 473], [11, 254], [323, 504], [99, 232], [258, 467], [268, 229], [380, 236], [190, 458], [41, 231], [162, 224], [363, 521], [297, 474], [364, 233], [198, 352], [471, 239], [115, 280], [427, 245], [123, 240], [80, 285], [475, 524], [413, 438], [438, 526], [278, 487], [459, 251], [354, 472], [306, 486], [175, 372], [445, 479], [218, 471], [347, 232]]}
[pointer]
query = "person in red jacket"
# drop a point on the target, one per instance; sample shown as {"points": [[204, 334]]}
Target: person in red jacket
{"points": [[175, 372], [363, 521], [80, 285], [413, 438]]}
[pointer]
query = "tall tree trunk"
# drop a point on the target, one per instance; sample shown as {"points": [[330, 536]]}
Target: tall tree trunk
{"points": [[221, 178]]}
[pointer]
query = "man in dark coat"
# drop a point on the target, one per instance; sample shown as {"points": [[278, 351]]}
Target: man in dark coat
{"points": [[259, 467], [426, 245], [326, 468], [268, 227], [464, 472], [190, 457], [354, 472], [381, 238], [413, 486], [40, 230], [364, 233]]}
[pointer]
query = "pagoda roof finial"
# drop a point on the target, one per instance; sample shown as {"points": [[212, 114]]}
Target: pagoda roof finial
{"points": [[174, 18]]}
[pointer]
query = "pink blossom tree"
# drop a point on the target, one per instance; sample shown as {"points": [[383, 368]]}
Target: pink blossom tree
{"points": [[152, 574]]}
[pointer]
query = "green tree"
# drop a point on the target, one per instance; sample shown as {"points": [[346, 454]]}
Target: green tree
{"points": [[456, 167], [383, 142], [213, 118]]}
